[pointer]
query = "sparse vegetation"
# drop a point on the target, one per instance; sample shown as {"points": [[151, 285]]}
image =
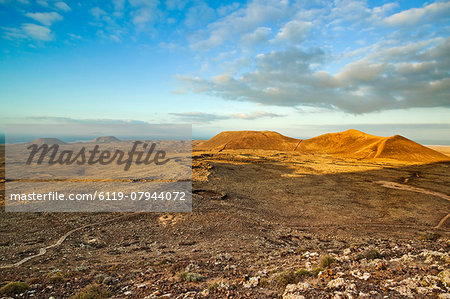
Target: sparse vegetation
{"points": [[316, 271], [163, 262], [303, 273], [433, 236], [326, 261], [13, 288], [191, 277], [286, 277], [55, 277], [370, 254], [34, 280], [92, 291], [99, 278], [291, 277]]}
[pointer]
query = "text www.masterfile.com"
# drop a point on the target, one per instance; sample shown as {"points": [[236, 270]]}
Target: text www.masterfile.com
{"points": [[99, 195]]}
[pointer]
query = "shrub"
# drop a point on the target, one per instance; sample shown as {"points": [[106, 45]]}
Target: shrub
{"points": [[286, 277], [56, 277], [92, 291], [371, 254], [191, 277], [13, 288], [291, 277], [430, 236], [303, 273], [326, 261], [316, 271]]}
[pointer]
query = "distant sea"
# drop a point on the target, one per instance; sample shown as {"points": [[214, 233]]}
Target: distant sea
{"points": [[78, 138]]}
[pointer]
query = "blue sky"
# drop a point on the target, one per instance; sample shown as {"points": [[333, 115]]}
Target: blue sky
{"points": [[298, 67]]}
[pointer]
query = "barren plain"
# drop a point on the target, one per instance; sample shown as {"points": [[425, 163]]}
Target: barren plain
{"points": [[265, 224]]}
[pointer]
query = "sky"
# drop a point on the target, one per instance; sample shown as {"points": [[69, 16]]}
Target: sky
{"points": [[301, 68]]}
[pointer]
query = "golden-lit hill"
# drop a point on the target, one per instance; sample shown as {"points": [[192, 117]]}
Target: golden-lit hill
{"points": [[359, 145], [196, 143], [265, 140], [348, 144]]}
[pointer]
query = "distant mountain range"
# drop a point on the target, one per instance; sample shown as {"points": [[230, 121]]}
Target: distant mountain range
{"points": [[49, 141], [105, 139]]}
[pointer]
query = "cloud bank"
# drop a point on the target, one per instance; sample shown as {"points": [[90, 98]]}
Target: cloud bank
{"points": [[201, 117], [344, 55]]}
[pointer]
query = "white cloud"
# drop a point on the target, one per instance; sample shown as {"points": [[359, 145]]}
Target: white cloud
{"points": [[69, 120], [42, 3], [415, 15], [227, 9], [176, 4], [144, 13], [245, 20], [260, 35], [202, 117], [109, 21], [360, 71], [13, 33], [26, 2], [294, 31], [45, 18], [97, 12], [119, 5], [255, 115], [385, 8], [349, 10], [62, 6], [37, 32], [199, 14], [198, 117], [75, 36]]}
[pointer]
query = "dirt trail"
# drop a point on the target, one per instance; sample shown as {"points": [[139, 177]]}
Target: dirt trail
{"points": [[398, 186], [43, 250]]}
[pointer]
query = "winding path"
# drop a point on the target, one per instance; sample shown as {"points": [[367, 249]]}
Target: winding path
{"points": [[43, 250], [398, 186]]}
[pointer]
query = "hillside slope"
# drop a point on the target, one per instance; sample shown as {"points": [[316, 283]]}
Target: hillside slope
{"points": [[359, 145], [266, 140]]}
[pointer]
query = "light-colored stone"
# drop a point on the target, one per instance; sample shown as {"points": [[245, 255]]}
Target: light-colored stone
{"points": [[444, 277], [359, 275], [293, 290], [336, 283], [252, 282]]}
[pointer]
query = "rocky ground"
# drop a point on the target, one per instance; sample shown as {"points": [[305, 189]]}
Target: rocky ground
{"points": [[264, 225]]}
